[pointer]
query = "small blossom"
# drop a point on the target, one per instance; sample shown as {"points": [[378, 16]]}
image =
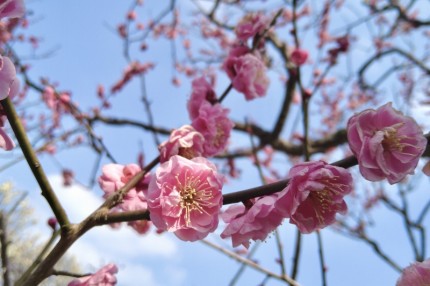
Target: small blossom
{"points": [[299, 57], [386, 143], [12, 8], [202, 92], [9, 84], [247, 73], [115, 176], [104, 277], [250, 25], [314, 195], [184, 197], [185, 141], [417, 274], [215, 126], [254, 220]]}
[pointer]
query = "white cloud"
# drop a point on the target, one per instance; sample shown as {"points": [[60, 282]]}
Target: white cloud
{"points": [[102, 245]]}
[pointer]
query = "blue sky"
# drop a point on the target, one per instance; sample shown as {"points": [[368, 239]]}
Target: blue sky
{"points": [[88, 53]]}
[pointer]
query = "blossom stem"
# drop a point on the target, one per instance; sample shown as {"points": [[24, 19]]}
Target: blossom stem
{"points": [[322, 261], [252, 264], [296, 258], [34, 163]]}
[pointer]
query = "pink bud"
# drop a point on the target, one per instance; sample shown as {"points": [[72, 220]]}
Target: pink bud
{"points": [[52, 222], [299, 57]]}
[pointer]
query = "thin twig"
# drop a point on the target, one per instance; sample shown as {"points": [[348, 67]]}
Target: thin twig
{"points": [[250, 263]]}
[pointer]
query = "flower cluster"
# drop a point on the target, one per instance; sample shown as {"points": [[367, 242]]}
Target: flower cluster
{"points": [[9, 83], [386, 143]]}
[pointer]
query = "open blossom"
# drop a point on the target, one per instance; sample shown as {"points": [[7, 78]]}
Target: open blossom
{"points": [[314, 195], [12, 8], [247, 73], [104, 277], [184, 197], [417, 274], [202, 93], [386, 143], [251, 25], [299, 57], [185, 141], [254, 220], [215, 126]]}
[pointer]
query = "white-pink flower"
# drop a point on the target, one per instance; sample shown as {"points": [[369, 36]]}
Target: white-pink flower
{"points": [[251, 25], [247, 73], [314, 195], [215, 126], [184, 197], [416, 274], [185, 141], [12, 8], [386, 143], [104, 277], [202, 93], [254, 220]]}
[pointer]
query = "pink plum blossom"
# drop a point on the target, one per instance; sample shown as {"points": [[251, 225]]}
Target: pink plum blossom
{"points": [[12, 8], [417, 274], [251, 25], [314, 195], [113, 178], [254, 220], [184, 197], [215, 126], [202, 93], [247, 73], [9, 84], [299, 57], [185, 141], [104, 277], [386, 143]]}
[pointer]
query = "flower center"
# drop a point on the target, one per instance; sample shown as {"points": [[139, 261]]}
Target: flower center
{"points": [[195, 196], [392, 139], [322, 200]]}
